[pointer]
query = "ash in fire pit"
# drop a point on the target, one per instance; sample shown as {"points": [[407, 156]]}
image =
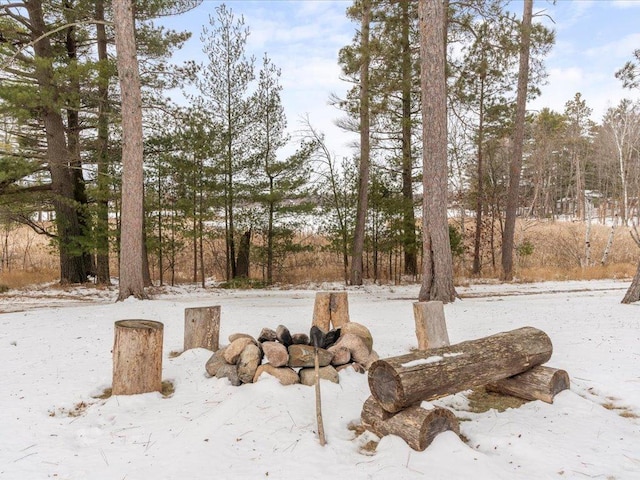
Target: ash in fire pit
{"points": [[290, 357]]}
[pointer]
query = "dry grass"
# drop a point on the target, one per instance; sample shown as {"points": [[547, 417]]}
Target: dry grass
{"points": [[557, 253], [482, 401]]}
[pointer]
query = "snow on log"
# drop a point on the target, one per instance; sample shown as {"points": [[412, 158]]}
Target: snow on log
{"points": [[137, 357], [401, 381], [202, 328], [539, 383], [416, 425]]}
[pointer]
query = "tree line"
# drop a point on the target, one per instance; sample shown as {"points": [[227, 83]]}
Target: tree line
{"points": [[215, 171]]}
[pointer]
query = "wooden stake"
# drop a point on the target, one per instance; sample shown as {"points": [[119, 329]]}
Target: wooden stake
{"points": [[323, 441]]}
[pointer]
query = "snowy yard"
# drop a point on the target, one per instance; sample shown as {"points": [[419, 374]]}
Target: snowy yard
{"points": [[56, 358]]}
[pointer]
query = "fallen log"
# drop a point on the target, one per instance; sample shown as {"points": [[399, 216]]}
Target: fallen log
{"points": [[401, 381], [539, 383], [415, 425]]}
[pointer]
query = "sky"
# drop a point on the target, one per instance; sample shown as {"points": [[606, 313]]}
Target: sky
{"points": [[594, 38]]}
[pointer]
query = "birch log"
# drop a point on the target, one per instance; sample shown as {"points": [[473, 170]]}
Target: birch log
{"points": [[137, 357], [399, 382]]}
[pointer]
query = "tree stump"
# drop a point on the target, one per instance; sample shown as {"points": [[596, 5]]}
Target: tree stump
{"points": [[137, 357], [539, 383], [415, 425], [330, 309], [431, 327], [202, 328], [399, 382]]}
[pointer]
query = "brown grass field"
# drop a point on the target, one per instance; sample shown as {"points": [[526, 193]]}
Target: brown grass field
{"points": [[547, 251]]}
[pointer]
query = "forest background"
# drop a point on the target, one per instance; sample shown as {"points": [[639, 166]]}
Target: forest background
{"points": [[234, 193]]}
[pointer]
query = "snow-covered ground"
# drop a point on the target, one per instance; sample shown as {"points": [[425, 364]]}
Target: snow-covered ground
{"points": [[55, 352]]}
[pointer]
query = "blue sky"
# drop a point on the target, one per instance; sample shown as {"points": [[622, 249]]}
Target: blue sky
{"points": [[594, 38]]}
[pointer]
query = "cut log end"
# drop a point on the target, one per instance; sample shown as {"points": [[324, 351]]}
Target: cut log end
{"points": [[385, 385], [540, 383]]}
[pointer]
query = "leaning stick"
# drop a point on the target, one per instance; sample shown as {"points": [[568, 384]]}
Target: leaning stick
{"points": [[317, 338]]}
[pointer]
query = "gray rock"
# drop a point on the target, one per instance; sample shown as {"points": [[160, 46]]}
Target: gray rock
{"points": [[267, 335], [275, 353], [300, 339], [248, 363], [308, 375], [235, 348], [341, 355], [373, 357], [303, 356], [215, 362], [229, 372], [283, 335], [285, 375]]}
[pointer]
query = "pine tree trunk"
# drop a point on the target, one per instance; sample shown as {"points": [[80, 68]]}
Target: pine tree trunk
{"points": [[437, 272], [518, 141], [363, 185], [131, 246], [633, 292]]}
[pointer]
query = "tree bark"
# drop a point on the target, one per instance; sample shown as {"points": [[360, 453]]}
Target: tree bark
{"points": [[132, 217], [67, 221], [331, 309], [437, 271], [137, 357], [363, 183], [515, 166], [415, 425], [202, 328], [431, 327], [539, 383], [633, 292], [399, 382]]}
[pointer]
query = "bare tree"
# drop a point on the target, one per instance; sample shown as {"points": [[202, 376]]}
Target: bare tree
{"points": [[132, 218], [518, 139], [437, 264]]}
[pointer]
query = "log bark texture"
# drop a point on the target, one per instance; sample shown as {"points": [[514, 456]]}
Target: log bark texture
{"points": [[401, 381], [137, 357], [415, 425], [539, 383], [202, 328], [431, 327], [330, 308]]}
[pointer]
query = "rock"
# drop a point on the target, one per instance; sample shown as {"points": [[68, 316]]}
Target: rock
{"points": [[235, 348], [229, 372], [356, 345], [283, 335], [308, 375], [248, 363], [331, 337], [267, 335], [361, 331], [215, 362], [303, 356], [286, 375], [341, 355], [355, 366], [235, 336], [316, 336], [300, 339], [275, 353], [373, 356]]}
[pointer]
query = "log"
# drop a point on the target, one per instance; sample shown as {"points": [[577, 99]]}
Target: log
{"points": [[431, 327], [202, 328], [330, 308], [415, 425], [401, 381], [137, 357], [539, 383]]}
